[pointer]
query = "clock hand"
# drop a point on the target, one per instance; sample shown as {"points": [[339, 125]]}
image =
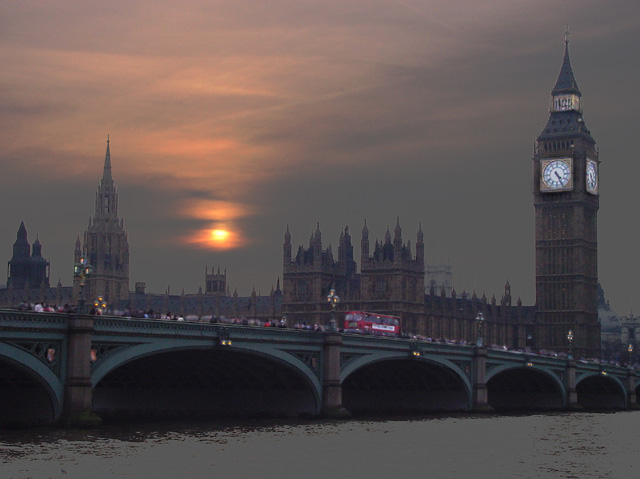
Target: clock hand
{"points": [[558, 176]]}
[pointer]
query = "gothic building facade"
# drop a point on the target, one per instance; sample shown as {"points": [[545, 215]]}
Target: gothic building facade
{"points": [[105, 245], [391, 281]]}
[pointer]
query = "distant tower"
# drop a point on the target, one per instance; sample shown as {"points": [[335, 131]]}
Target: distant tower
{"points": [[39, 268], [215, 283], [106, 245], [27, 266], [392, 274], [310, 275], [438, 274], [565, 191], [391, 279]]}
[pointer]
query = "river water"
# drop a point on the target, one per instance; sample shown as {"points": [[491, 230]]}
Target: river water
{"points": [[559, 445]]}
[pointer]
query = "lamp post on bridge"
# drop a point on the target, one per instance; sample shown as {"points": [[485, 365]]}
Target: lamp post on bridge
{"points": [[99, 305], [82, 270], [630, 350], [333, 299], [480, 321], [570, 339]]}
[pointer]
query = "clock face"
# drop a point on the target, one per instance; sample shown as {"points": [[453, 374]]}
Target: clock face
{"points": [[566, 102], [592, 177], [556, 175]]}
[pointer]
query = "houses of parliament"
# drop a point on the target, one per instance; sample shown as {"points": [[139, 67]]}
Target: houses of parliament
{"points": [[390, 278]]}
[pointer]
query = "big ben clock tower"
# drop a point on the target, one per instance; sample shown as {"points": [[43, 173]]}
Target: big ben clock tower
{"points": [[565, 192]]}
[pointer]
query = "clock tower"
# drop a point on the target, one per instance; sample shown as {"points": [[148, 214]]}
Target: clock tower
{"points": [[565, 192]]}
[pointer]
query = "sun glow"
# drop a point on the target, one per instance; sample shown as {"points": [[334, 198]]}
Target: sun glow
{"points": [[218, 237]]}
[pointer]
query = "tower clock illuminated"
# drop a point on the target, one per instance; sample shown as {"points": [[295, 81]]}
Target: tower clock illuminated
{"points": [[565, 195], [592, 177], [556, 174], [566, 102]]}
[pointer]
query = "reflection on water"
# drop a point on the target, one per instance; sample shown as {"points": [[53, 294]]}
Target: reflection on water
{"points": [[563, 445]]}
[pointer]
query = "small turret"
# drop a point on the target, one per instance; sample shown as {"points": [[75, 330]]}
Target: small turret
{"points": [[286, 257], [364, 245]]}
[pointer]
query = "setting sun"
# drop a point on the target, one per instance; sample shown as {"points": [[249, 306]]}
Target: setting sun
{"points": [[219, 235]]}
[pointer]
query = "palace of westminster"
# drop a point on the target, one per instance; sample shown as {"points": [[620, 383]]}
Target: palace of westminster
{"points": [[392, 278]]}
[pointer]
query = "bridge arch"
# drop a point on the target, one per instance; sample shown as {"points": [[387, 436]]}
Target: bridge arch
{"points": [[512, 387], [597, 390], [392, 382], [31, 393], [195, 379]]}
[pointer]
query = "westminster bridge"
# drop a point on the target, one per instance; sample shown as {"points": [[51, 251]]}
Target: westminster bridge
{"points": [[75, 369]]}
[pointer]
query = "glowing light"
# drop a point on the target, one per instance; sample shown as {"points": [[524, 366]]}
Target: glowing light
{"points": [[219, 235]]}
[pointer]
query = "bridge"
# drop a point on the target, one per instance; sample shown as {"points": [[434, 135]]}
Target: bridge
{"points": [[77, 370]]}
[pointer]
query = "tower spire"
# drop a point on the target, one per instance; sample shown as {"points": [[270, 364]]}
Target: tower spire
{"points": [[566, 82], [106, 176]]}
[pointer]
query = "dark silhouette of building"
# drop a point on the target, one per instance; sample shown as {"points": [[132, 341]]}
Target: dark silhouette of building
{"points": [[27, 267], [565, 191], [215, 301]]}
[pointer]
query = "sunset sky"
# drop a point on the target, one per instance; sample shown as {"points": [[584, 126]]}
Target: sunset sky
{"points": [[231, 119]]}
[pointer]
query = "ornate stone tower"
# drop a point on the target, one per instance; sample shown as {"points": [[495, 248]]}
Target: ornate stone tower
{"points": [[565, 191], [392, 280], [308, 277], [215, 283], [106, 245]]}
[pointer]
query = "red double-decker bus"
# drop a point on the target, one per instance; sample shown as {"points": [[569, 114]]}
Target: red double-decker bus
{"points": [[371, 323]]}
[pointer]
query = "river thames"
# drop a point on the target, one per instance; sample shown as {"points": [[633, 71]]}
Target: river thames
{"points": [[558, 445]]}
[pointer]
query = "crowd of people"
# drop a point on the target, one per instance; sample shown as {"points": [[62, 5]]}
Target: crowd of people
{"points": [[39, 307]]}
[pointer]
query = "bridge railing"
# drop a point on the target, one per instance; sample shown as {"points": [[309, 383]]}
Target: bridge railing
{"points": [[162, 327], [15, 319]]}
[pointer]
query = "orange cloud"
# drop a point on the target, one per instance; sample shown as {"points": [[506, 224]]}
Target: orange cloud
{"points": [[215, 210]]}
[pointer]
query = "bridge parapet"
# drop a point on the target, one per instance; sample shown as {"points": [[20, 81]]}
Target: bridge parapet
{"points": [[30, 321], [169, 328]]}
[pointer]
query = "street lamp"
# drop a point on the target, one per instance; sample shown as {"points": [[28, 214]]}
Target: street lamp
{"points": [[630, 349], [570, 339], [480, 320], [99, 305], [333, 299], [82, 270]]}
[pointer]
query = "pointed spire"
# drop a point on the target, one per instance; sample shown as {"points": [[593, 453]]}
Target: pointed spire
{"points": [[37, 247], [22, 231], [106, 176], [566, 82]]}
